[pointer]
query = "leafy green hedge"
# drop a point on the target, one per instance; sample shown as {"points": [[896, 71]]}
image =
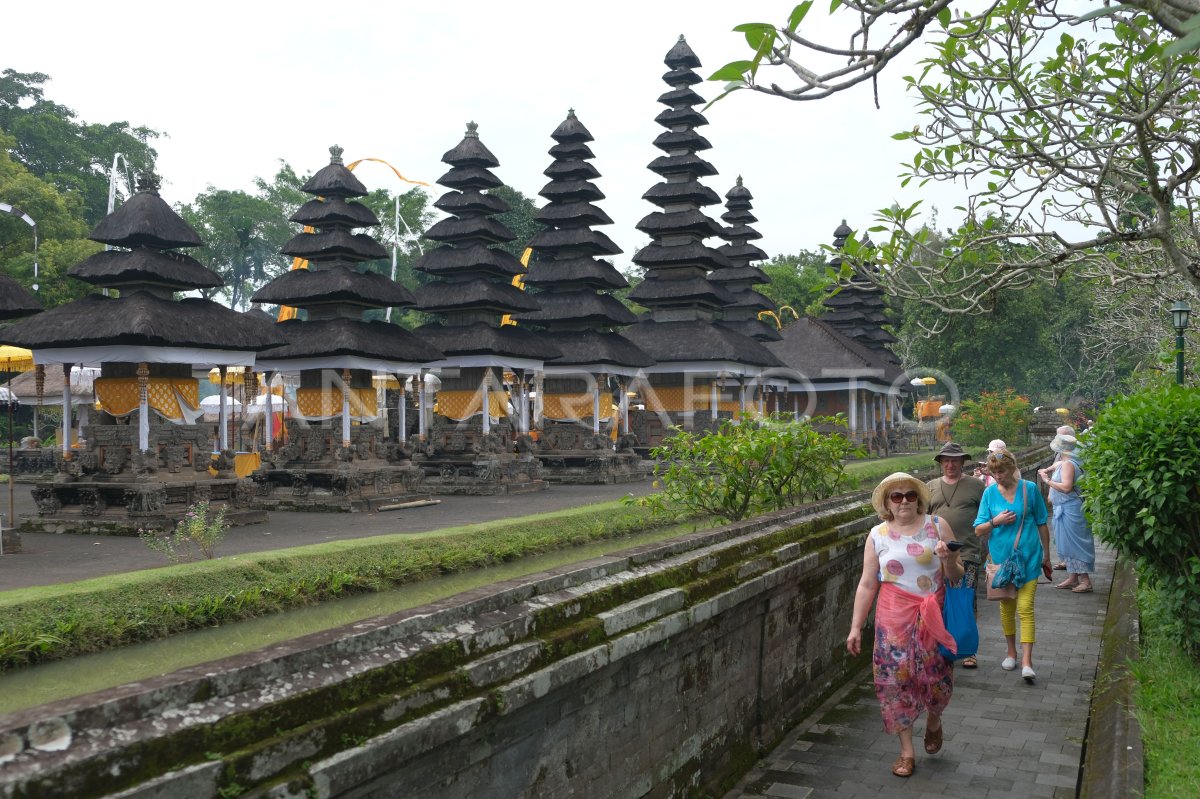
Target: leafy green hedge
{"points": [[1142, 484], [54, 622]]}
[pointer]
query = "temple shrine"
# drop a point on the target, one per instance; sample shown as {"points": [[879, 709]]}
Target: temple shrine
{"points": [[583, 436], [334, 453], [146, 457], [698, 363], [474, 440]]}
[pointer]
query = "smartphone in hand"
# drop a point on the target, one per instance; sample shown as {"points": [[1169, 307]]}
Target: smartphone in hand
{"points": [[1048, 570]]}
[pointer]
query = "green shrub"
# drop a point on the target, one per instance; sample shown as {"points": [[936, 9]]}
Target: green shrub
{"points": [[1143, 496], [196, 533], [748, 468], [996, 414]]}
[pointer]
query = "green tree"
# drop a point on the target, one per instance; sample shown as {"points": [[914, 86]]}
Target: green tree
{"points": [[72, 155], [242, 235], [1049, 122], [60, 230], [521, 218], [797, 281]]}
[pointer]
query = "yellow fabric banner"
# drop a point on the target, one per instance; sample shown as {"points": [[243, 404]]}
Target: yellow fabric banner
{"points": [[119, 395], [460, 405], [322, 403], [570, 407]]}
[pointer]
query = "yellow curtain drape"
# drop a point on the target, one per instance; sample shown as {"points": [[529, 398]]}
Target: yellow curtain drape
{"points": [[320, 403], [569, 407], [460, 405], [673, 398], [119, 395]]}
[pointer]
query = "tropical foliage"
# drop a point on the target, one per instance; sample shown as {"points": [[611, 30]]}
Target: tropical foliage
{"points": [[996, 414], [1142, 473], [746, 468]]}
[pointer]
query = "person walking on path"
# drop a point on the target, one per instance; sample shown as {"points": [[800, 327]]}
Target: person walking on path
{"points": [[955, 497], [1060, 564], [1072, 534], [1010, 508], [906, 561]]}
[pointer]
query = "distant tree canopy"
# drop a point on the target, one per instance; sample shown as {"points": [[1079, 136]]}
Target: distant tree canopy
{"points": [[72, 155], [797, 281]]}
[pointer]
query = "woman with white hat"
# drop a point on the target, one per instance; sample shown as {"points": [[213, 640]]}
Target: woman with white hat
{"points": [[906, 561], [1072, 534]]}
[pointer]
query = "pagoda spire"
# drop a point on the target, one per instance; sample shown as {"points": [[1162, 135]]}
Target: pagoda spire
{"points": [[741, 278]]}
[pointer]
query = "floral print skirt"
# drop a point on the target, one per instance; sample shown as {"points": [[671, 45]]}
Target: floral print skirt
{"points": [[909, 678]]}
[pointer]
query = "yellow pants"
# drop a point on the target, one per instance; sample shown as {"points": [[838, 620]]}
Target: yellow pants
{"points": [[1021, 606]]}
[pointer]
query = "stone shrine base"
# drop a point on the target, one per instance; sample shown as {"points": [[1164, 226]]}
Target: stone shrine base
{"points": [[591, 467], [337, 489]]}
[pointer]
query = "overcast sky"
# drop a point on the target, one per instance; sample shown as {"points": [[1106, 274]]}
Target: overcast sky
{"points": [[236, 87]]}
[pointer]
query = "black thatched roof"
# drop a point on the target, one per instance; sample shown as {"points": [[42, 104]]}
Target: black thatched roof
{"points": [[573, 240], [336, 283], [748, 274], [470, 151], [477, 259], [569, 190], [659, 256], [474, 295], [816, 350], [697, 341], [145, 220], [472, 200], [334, 180], [581, 272], [15, 301], [681, 140], [656, 291], [316, 338], [579, 308], [470, 177], [691, 191], [335, 243], [572, 169], [333, 211], [754, 328], [484, 339], [139, 318], [142, 266], [471, 228], [681, 57], [679, 223], [597, 348], [577, 213]]}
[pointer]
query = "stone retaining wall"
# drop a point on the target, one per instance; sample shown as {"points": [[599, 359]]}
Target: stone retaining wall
{"points": [[660, 671]]}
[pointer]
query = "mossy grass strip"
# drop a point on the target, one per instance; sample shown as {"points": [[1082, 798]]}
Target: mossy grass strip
{"points": [[59, 621]]}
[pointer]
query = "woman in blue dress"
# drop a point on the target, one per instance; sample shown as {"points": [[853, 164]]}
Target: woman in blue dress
{"points": [[1010, 506], [1072, 535]]}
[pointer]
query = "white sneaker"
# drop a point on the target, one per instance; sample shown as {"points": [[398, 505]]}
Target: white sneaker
{"points": [[1028, 674], [1008, 664]]}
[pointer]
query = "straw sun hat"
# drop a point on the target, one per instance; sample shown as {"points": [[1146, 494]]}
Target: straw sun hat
{"points": [[898, 480]]}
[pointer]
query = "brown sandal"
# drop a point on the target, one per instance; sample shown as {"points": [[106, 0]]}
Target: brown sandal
{"points": [[1070, 582], [1084, 587], [904, 766], [933, 740]]}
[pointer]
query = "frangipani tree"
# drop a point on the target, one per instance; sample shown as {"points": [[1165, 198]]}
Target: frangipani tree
{"points": [[1076, 135]]}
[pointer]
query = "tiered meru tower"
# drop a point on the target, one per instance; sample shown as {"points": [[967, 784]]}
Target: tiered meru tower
{"points": [[739, 280], [335, 454], [469, 441], [578, 421], [697, 360], [145, 458], [858, 308]]}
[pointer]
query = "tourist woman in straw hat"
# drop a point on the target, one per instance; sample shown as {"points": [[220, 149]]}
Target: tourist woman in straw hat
{"points": [[906, 561]]}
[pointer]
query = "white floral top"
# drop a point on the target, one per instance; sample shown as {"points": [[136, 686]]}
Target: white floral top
{"points": [[908, 561]]}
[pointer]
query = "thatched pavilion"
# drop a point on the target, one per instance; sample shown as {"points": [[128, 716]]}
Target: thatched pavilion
{"points": [[145, 453], [579, 424], [336, 455]]}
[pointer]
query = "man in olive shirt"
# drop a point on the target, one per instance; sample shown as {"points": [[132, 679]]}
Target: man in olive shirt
{"points": [[955, 497]]}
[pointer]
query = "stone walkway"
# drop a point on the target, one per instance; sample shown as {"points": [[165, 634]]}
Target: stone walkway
{"points": [[1003, 738]]}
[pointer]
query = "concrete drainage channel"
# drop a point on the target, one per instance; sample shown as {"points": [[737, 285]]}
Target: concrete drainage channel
{"points": [[664, 668]]}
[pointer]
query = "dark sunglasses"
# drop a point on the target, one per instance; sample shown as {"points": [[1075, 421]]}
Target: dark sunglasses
{"points": [[903, 496]]}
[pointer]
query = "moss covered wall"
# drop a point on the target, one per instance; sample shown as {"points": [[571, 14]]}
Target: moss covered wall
{"points": [[662, 671]]}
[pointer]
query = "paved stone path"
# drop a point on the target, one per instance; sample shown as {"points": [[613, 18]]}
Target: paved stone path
{"points": [[1003, 738]]}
